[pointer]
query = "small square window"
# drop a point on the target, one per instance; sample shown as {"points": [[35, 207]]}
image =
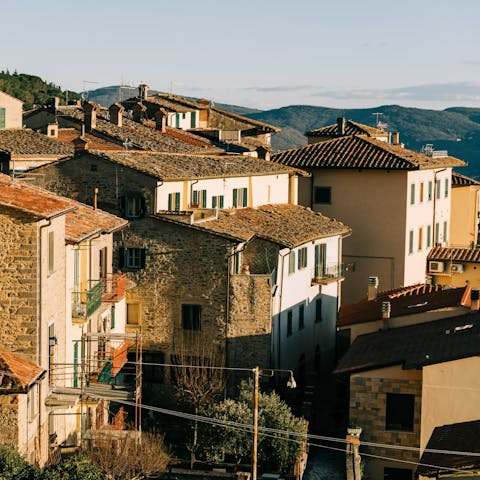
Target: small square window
{"points": [[400, 412], [322, 194], [134, 205], [191, 317], [133, 314], [302, 258], [134, 258]]}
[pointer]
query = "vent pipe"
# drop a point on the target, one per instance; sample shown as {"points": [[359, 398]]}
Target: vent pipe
{"points": [[341, 126], [95, 198], [372, 288], [386, 309]]}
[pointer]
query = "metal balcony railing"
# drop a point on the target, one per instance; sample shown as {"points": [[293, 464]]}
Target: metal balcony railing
{"points": [[85, 303], [324, 274]]}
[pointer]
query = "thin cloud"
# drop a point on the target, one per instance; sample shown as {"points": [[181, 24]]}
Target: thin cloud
{"points": [[282, 88]]}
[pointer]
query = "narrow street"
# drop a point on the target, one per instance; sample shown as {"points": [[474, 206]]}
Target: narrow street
{"points": [[325, 465]]}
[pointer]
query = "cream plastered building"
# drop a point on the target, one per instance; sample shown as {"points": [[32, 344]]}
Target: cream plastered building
{"points": [[397, 202], [10, 111]]}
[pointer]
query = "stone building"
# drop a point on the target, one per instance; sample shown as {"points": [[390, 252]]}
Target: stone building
{"points": [[52, 250], [10, 111]]}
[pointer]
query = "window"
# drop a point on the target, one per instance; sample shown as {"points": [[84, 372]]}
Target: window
{"points": [[400, 411], [134, 205], [445, 231], [174, 201], [318, 310], [191, 317], [236, 262], [177, 120], [430, 190], [421, 193], [301, 317], [410, 241], [412, 194], [133, 314], [429, 236], [420, 238], [51, 251], [302, 258], [289, 323], [199, 198], [102, 262], [320, 260], [193, 120], [322, 195], [240, 197], [218, 201], [2, 118], [437, 232], [133, 258], [390, 473], [446, 187], [291, 263], [32, 402], [437, 188], [112, 317]]}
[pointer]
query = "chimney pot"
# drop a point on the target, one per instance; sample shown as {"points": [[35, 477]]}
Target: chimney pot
{"points": [[396, 138], [80, 145], [341, 126], [372, 287], [90, 115], [116, 114], [143, 91], [386, 309], [161, 120], [95, 198], [139, 110]]}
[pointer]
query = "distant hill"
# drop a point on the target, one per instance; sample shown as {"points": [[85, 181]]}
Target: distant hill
{"points": [[454, 129], [32, 90]]}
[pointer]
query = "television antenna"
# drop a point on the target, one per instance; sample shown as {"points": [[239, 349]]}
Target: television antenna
{"points": [[377, 118], [127, 143]]}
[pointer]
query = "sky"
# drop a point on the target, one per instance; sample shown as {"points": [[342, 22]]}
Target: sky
{"points": [[257, 53]]}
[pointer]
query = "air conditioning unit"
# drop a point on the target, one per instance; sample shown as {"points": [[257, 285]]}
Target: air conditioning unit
{"points": [[457, 268], [436, 267]]}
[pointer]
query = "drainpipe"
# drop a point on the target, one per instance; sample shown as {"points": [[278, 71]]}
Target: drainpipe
{"points": [[190, 200]]}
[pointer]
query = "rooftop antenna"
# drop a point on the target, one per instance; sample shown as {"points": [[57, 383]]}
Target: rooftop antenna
{"points": [[377, 118], [127, 143]]}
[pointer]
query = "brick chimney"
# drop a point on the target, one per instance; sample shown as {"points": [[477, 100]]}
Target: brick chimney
{"points": [[80, 145], [116, 114], [341, 126], [143, 91], [161, 120], [90, 115], [139, 110], [372, 288], [386, 309], [475, 300]]}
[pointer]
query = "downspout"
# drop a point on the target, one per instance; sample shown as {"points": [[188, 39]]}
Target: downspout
{"points": [[190, 200], [279, 336], [155, 205]]}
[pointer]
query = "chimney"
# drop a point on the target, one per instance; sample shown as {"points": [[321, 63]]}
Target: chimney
{"points": [[396, 138], [341, 126], [161, 120], [372, 288], [90, 115], [386, 308], [474, 298], [139, 112], [52, 130], [95, 198], [143, 91], [52, 104], [116, 113], [80, 145]]}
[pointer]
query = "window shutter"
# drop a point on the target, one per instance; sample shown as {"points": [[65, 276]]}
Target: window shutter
{"points": [[245, 197], [143, 210], [204, 199], [143, 255], [177, 201], [121, 257], [221, 201], [195, 197], [235, 197], [214, 202], [169, 202], [317, 257]]}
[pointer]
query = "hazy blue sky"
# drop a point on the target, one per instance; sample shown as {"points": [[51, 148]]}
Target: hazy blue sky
{"points": [[260, 53]]}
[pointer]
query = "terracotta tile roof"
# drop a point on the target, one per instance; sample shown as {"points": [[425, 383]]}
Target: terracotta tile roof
{"points": [[285, 225], [360, 152], [84, 221], [462, 180], [415, 346], [456, 437], [170, 167], [68, 135], [17, 372], [27, 142], [469, 255], [30, 199], [351, 128], [403, 301]]}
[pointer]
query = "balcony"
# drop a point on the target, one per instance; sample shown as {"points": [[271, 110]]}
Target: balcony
{"points": [[325, 274], [85, 303], [114, 286]]}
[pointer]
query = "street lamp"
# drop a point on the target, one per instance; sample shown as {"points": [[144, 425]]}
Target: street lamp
{"points": [[257, 372]]}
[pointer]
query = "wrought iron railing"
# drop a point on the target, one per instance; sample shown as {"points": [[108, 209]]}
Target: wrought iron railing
{"points": [[85, 303], [328, 272]]}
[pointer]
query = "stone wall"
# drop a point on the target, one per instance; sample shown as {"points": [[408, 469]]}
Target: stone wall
{"points": [[368, 398], [18, 282], [261, 256], [9, 419], [250, 319]]}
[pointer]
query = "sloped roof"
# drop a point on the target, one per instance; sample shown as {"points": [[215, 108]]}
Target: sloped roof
{"points": [[27, 142], [360, 152], [171, 167], [462, 180], [404, 301], [457, 437], [469, 255], [17, 372], [286, 225], [11, 96], [351, 128], [415, 346]]}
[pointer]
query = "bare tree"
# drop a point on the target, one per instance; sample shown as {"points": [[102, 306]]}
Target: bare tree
{"points": [[199, 383]]}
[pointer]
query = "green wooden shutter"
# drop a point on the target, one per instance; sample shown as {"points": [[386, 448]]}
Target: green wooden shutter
{"points": [[317, 256], [170, 201], [204, 199], [193, 120], [214, 202], [112, 317], [2, 118], [177, 120], [75, 365], [221, 201], [195, 197], [235, 197], [177, 201], [245, 197]]}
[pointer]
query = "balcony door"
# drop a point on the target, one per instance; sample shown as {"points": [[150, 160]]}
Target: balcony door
{"points": [[320, 260]]}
